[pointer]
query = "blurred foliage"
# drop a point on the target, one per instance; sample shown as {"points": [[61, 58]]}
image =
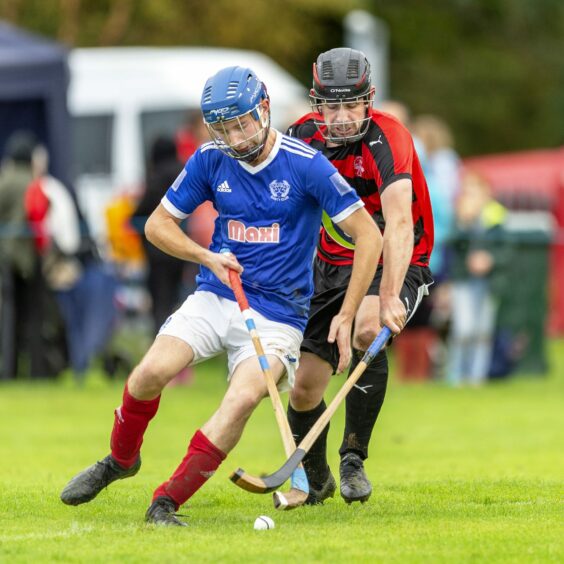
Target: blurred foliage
{"points": [[493, 69], [292, 32]]}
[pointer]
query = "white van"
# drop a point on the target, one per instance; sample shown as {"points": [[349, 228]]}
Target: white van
{"points": [[120, 98]]}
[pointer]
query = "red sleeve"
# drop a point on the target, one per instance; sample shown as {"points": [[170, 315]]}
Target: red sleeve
{"points": [[36, 206], [402, 148]]}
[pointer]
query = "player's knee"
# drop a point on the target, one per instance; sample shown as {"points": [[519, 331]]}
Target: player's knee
{"points": [[303, 397], [364, 336], [148, 379]]}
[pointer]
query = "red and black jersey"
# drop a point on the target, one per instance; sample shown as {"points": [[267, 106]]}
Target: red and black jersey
{"points": [[385, 154]]}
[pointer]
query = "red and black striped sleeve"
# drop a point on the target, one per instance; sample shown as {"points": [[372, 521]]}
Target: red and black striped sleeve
{"points": [[306, 130]]}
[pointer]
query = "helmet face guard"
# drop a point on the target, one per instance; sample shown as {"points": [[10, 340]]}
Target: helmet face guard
{"points": [[330, 132], [236, 118], [242, 137], [341, 78]]}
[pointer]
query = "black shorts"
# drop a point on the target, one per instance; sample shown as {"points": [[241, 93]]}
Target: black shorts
{"points": [[331, 284]]}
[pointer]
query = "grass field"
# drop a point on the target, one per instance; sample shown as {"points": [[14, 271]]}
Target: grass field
{"points": [[460, 476]]}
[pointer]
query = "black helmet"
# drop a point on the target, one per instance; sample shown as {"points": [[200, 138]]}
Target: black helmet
{"points": [[342, 77], [341, 73]]}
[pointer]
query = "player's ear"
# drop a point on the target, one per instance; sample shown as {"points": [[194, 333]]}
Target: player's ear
{"points": [[316, 107], [265, 109]]}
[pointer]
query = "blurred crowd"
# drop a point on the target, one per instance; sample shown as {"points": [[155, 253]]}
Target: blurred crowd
{"points": [[57, 296], [63, 295], [453, 335], [62, 300]]}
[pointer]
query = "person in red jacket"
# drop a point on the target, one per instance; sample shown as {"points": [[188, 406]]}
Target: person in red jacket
{"points": [[375, 154]]}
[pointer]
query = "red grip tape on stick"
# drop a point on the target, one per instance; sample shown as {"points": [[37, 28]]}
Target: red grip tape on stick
{"points": [[237, 288]]}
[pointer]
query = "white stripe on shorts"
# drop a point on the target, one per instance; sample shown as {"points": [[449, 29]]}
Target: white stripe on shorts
{"points": [[422, 291]]}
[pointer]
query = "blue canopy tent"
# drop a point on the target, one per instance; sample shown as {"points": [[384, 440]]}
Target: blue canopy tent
{"points": [[34, 78]]}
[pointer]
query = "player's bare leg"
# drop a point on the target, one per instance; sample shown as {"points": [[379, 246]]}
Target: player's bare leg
{"points": [[162, 362], [210, 445], [166, 357], [247, 388]]}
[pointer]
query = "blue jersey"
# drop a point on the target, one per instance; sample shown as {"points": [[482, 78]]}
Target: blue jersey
{"points": [[269, 218]]}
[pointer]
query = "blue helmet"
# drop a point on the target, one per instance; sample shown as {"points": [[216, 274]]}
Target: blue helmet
{"points": [[229, 96], [230, 93]]}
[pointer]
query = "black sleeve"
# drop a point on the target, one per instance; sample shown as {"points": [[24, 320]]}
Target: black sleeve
{"points": [[304, 131]]}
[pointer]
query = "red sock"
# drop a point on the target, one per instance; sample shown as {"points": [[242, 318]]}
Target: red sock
{"points": [[131, 420], [199, 464]]}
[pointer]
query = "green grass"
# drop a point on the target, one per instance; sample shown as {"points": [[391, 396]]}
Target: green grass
{"points": [[460, 476]]}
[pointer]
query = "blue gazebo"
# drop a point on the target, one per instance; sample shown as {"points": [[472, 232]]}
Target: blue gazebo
{"points": [[34, 78]]}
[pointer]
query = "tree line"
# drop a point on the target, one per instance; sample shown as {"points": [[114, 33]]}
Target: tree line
{"points": [[493, 69]]}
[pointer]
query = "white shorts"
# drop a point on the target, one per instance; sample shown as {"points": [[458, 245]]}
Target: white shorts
{"points": [[211, 325]]}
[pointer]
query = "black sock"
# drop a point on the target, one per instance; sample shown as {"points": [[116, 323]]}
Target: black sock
{"points": [[315, 461], [363, 404]]}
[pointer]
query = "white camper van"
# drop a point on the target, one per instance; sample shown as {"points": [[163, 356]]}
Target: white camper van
{"points": [[120, 98]]}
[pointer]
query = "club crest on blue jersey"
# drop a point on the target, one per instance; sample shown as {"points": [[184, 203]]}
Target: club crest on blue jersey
{"points": [[238, 231], [279, 190]]}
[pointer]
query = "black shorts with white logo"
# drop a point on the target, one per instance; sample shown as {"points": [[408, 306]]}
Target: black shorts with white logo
{"points": [[331, 284]]}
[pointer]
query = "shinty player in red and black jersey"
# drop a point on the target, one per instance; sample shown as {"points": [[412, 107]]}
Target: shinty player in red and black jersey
{"points": [[375, 155], [382, 156]]}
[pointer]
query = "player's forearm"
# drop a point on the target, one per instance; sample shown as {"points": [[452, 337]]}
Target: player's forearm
{"points": [[398, 249], [368, 248], [167, 236]]}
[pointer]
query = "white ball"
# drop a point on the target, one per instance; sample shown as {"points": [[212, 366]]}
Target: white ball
{"points": [[263, 523]]}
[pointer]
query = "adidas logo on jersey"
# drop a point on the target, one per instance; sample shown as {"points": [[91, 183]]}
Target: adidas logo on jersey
{"points": [[224, 187]]}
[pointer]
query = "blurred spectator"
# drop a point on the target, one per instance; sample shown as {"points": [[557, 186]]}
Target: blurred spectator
{"points": [[403, 114], [54, 224], [397, 109], [164, 271], [191, 135], [416, 346], [125, 247], [23, 290], [441, 165], [83, 289], [16, 174], [477, 274], [126, 254]]}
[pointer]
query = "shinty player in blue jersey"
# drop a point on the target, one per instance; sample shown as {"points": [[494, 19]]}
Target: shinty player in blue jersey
{"points": [[269, 191]]}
